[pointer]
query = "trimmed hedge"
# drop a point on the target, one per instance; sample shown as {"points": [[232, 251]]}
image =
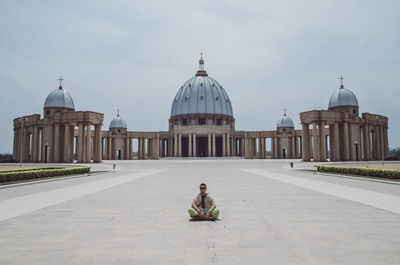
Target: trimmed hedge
{"points": [[18, 175], [363, 171], [27, 169]]}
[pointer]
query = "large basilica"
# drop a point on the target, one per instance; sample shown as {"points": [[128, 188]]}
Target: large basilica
{"points": [[201, 124]]}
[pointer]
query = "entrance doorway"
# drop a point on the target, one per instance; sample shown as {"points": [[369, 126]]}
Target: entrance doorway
{"points": [[218, 146], [119, 154], [185, 146], [284, 153], [201, 146]]}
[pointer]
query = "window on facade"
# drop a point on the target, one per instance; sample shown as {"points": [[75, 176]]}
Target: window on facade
{"points": [[219, 122], [47, 112], [354, 111], [202, 121], [119, 130], [184, 122], [284, 130]]}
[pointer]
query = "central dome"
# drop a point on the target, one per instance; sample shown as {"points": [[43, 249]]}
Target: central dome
{"points": [[201, 94]]}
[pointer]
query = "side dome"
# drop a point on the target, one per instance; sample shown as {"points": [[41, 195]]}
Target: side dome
{"points": [[201, 94], [285, 121], [342, 97], [59, 98], [118, 122]]}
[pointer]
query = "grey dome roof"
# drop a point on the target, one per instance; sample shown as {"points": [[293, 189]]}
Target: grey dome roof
{"points": [[342, 97], [59, 98], [117, 122], [285, 121], [203, 95]]}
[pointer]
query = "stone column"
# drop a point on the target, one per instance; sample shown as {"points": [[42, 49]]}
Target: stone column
{"points": [[315, 142], [322, 141], [175, 145], [79, 144], [67, 144], [194, 145], [190, 145], [272, 147], [130, 148], [277, 147], [214, 153], [15, 146], [35, 144], [97, 141], [109, 147], [386, 143], [88, 143], [367, 145], [180, 145], [56, 143], [154, 150], [228, 146], [382, 142], [209, 145], [247, 149], [293, 147], [306, 142], [223, 145], [337, 142], [346, 141], [300, 139]]}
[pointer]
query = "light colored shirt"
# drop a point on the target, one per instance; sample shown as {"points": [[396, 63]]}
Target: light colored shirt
{"points": [[207, 202]]}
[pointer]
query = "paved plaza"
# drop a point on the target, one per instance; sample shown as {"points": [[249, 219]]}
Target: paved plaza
{"points": [[137, 214]]}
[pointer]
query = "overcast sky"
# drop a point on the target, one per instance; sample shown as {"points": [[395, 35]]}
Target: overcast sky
{"points": [[134, 55]]}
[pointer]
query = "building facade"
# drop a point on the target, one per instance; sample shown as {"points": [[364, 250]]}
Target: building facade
{"points": [[201, 124]]}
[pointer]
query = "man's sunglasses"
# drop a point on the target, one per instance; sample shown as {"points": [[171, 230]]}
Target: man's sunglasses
{"points": [[202, 188]]}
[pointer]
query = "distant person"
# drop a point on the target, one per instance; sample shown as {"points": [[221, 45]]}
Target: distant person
{"points": [[203, 206]]}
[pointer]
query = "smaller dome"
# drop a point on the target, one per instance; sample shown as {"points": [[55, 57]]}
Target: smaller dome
{"points": [[285, 121], [59, 98], [342, 97], [117, 122]]}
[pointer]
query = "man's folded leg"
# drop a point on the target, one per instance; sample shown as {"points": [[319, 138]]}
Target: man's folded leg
{"points": [[192, 212]]}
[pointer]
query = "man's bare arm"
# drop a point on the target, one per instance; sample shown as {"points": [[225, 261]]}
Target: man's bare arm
{"points": [[194, 206], [213, 206]]}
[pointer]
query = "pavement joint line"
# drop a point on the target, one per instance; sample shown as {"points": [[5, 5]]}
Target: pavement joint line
{"points": [[33, 181], [375, 199], [29, 203]]}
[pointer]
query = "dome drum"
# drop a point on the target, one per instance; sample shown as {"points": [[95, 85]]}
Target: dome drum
{"points": [[202, 119]]}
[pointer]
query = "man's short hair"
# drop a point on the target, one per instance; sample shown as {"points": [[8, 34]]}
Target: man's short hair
{"points": [[203, 184]]}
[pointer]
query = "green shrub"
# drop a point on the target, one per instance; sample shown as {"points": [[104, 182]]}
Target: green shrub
{"points": [[363, 171], [18, 175], [28, 169]]}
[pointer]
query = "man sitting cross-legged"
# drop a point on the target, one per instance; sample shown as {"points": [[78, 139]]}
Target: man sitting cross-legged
{"points": [[203, 206]]}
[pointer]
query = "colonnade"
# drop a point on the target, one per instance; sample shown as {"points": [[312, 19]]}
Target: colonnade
{"points": [[195, 145], [280, 147], [347, 141], [121, 148]]}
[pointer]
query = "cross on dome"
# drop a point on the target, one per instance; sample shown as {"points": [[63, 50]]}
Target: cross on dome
{"points": [[341, 81], [60, 79]]}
